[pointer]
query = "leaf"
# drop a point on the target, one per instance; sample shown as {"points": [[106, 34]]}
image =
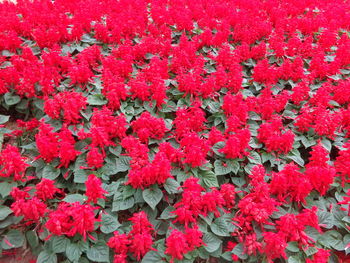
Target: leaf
{"points": [[220, 227], [13, 239], [296, 158], [325, 218], [109, 223], [172, 186], [254, 158], [152, 257], [11, 99], [50, 172], [96, 100], [122, 204], [293, 259], [32, 238], [293, 247], [152, 196], [212, 242], [46, 257], [72, 198], [80, 176], [4, 119], [4, 212], [166, 214], [310, 251], [98, 252], [221, 168], [59, 243], [122, 164], [209, 179], [239, 251], [73, 252]]}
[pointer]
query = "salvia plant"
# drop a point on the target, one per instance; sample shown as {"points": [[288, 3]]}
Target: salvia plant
{"points": [[175, 130]]}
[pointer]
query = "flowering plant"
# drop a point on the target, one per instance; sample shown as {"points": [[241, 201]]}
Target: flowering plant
{"points": [[175, 131]]}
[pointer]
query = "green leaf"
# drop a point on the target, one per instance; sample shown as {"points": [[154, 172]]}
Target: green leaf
{"points": [[13, 239], [293, 247], [80, 176], [50, 172], [96, 100], [59, 243], [172, 186], [209, 179], [73, 252], [152, 257], [327, 144], [166, 214], [6, 188], [325, 218], [254, 158], [212, 242], [122, 204], [72, 198], [122, 164], [296, 158], [11, 99], [239, 251], [32, 238], [4, 212], [109, 223], [4, 119], [221, 168], [294, 259], [152, 196], [220, 227], [46, 257], [99, 252], [310, 251]]}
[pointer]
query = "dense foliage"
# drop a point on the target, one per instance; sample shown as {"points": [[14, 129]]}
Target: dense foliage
{"points": [[175, 130]]}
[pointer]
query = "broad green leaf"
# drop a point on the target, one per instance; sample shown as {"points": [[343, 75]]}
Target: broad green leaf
{"points": [[98, 252], [172, 186], [122, 164], [221, 168], [122, 204], [12, 239], [220, 227], [293, 247], [73, 252], [152, 196], [32, 238], [47, 257], [209, 179], [4, 212], [212, 242], [239, 251], [50, 172], [4, 119], [96, 100], [59, 243], [11, 99], [109, 223], [152, 257], [72, 198], [254, 158]]}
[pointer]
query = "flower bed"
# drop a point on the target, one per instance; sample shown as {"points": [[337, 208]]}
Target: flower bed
{"points": [[175, 131]]}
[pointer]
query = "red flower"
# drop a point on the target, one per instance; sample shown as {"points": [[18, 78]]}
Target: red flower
{"points": [[12, 163], [46, 189], [70, 219], [94, 191]]}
